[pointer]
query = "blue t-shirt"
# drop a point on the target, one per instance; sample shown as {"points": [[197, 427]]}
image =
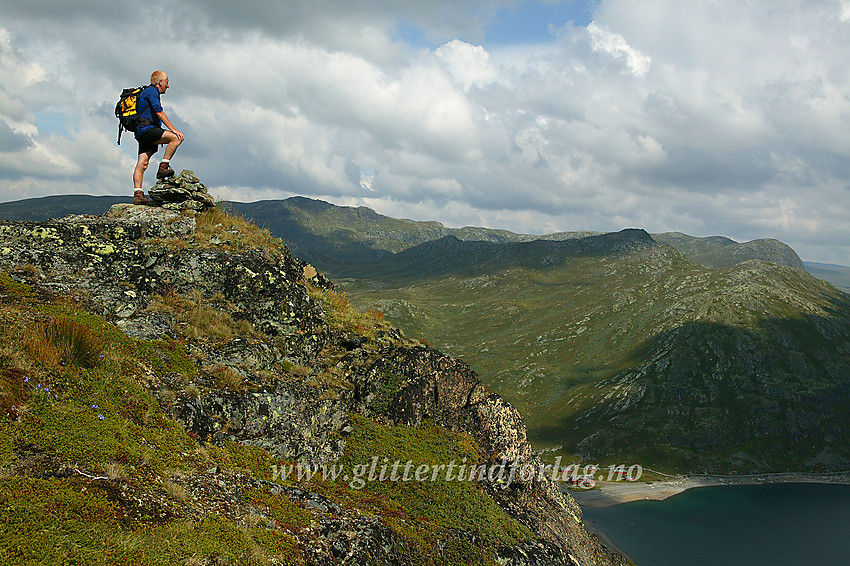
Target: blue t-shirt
{"points": [[149, 104]]}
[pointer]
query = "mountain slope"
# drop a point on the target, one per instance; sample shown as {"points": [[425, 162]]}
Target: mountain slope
{"points": [[44, 208], [642, 354], [159, 370], [838, 275], [717, 251]]}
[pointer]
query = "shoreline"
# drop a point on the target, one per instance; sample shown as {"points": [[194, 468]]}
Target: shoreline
{"points": [[607, 493]]}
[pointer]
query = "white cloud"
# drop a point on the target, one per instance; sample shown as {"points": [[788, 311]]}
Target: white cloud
{"points": [[844, 14], [723, 117], [468, 64], [616, 45]]}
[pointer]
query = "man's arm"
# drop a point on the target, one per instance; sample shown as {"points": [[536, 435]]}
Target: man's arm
{"points": [[164, 119]]}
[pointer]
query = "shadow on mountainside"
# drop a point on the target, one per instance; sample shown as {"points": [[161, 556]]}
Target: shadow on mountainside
{"points": [[450, 255], [45, 208], [708, 397], [329, 254]]}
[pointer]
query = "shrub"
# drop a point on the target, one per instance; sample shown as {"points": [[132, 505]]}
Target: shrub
{"points": [[62, 341]]}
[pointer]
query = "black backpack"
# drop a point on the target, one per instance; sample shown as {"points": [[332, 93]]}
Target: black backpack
{"points": [[127, 111]]}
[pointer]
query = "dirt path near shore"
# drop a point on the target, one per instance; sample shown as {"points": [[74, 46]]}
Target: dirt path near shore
{"points": [[613, 493]]}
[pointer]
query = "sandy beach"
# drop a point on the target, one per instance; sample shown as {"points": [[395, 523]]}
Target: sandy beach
{"points": [[613, 493]]}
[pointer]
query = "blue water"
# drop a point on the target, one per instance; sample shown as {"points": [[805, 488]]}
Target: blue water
{"points": [[775, 525]]}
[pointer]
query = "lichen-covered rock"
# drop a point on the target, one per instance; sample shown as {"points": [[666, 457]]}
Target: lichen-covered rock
{"points": [[292, 422]]}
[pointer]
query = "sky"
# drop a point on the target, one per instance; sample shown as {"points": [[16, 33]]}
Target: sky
{"points": [[708, 117]]}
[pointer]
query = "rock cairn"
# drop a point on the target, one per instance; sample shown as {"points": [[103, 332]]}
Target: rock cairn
{"points": [[185, 191]]}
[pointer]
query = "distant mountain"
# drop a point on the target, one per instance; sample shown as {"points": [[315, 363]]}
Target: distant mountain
{"points": [[337, 238], [636, 353], [838, 275], [44, 208], [451, 255], [719, 251]]}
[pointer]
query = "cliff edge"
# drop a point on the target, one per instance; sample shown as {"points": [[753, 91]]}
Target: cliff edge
{"points": [[176, 388]]}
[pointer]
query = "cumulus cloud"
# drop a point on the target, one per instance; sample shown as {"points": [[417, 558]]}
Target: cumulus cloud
{"points": [[468, 64], [726, 117], [616, 46]]}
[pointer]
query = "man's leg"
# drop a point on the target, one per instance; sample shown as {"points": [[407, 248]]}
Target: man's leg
{"points": [[138, 177], [171, 142], [139, 171]]}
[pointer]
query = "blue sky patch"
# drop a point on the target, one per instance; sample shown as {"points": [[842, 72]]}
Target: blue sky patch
{"points": [[50, 122], [529, 21]]}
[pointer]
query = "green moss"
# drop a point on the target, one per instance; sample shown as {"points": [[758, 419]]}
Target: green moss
{"points": [[280, 544], [12, 290], [461, 552], [101, 430], [390, 385], [166, 356], [279, 508], [423, 512], [53, 521], [7, 445], [72, 522], [241, 457]]}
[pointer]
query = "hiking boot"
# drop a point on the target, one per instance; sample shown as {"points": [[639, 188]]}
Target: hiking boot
{"points": [[164, 171], [139, 198]]}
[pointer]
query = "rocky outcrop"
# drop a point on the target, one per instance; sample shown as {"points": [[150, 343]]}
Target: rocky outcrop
{"points": [[432, 385], [185, 191], [118, 259], [140, 266], [125, 262]]}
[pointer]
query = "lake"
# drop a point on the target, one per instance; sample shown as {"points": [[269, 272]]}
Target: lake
{"points": [[775, 525]]}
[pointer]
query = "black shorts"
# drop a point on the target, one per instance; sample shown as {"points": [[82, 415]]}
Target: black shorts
{"points": [[148, 142]]}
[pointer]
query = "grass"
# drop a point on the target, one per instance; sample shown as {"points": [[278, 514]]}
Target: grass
{"points": [[216, 228], [424, 512], [278, 510], [342, 315], [195, 318], [59, 341], [237, 233]]}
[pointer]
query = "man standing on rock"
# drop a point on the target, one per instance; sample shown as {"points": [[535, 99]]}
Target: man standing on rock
{"points": [[150, 134]]}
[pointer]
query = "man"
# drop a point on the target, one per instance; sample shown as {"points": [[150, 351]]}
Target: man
{"points": [[150, 134]]}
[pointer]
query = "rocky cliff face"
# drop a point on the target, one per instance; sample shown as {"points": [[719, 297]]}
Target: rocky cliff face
{"points": [[254, 349]]}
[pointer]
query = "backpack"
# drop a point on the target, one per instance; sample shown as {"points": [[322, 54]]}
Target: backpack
{"points": [[127, 111]]}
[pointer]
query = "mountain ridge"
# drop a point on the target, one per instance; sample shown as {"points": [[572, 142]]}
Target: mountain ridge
{"points": [[329, 235]]}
